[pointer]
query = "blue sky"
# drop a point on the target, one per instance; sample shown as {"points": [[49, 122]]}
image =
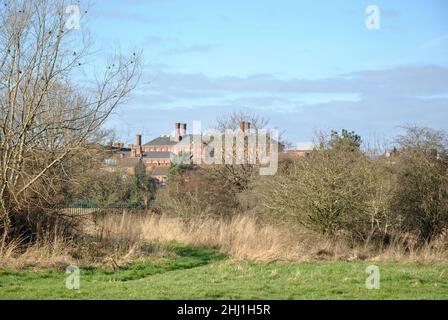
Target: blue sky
{"points": [[306, 65]]}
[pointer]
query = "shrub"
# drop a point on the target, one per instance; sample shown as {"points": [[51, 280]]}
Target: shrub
{"points": [[335, 191], [102, 188], [196, 194], [333, 194], [420, 195]]}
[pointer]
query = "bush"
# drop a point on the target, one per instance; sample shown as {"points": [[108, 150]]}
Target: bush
{"points": [[103, 189], [196, 194], [420, 195], [332, 192]]}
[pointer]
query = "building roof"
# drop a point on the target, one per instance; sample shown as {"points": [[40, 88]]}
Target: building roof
{"points": [[167, 141], [158, 155], [161, 141], [160, 171]]}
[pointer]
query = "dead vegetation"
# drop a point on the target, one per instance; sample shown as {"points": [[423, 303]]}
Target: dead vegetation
{"points": [[246, 238], [116, 240]]}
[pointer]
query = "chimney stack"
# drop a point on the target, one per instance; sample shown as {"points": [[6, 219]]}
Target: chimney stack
{"points": [[138, 141], [184, 129], [138, 145], [243, 126], [177, 132], [247, 126]]}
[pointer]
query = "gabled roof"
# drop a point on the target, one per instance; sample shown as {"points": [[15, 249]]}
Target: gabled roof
{"points": [[168, 141], [157, 155], [161, 141]]}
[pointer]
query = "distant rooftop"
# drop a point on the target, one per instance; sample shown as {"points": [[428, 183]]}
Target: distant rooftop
{"points": [[157, 155], [165, 141], [161, 141]]}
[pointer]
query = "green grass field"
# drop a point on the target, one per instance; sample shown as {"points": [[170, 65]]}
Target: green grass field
{"points": [[195, 273]]}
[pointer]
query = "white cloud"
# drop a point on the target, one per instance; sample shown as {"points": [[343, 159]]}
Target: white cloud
{"points": [[364, 101]]}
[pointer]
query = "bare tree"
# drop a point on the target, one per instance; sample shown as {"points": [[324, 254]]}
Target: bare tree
{"points": [[425, 139], [232, 121], [46, 117], [235, 176]]}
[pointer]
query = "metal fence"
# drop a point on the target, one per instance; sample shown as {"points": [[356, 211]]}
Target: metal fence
{"points": [[86, 212]]}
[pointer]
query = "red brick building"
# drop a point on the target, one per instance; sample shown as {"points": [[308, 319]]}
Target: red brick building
{"points": [[156, 154]]}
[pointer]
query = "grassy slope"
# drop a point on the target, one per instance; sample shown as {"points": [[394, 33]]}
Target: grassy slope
{"points": [[202, 274]]}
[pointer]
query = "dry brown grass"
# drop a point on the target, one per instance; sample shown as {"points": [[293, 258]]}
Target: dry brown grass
{"points": [[405, 249], [116, 240], [243, 238], [48, 253], [109, 242]]}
